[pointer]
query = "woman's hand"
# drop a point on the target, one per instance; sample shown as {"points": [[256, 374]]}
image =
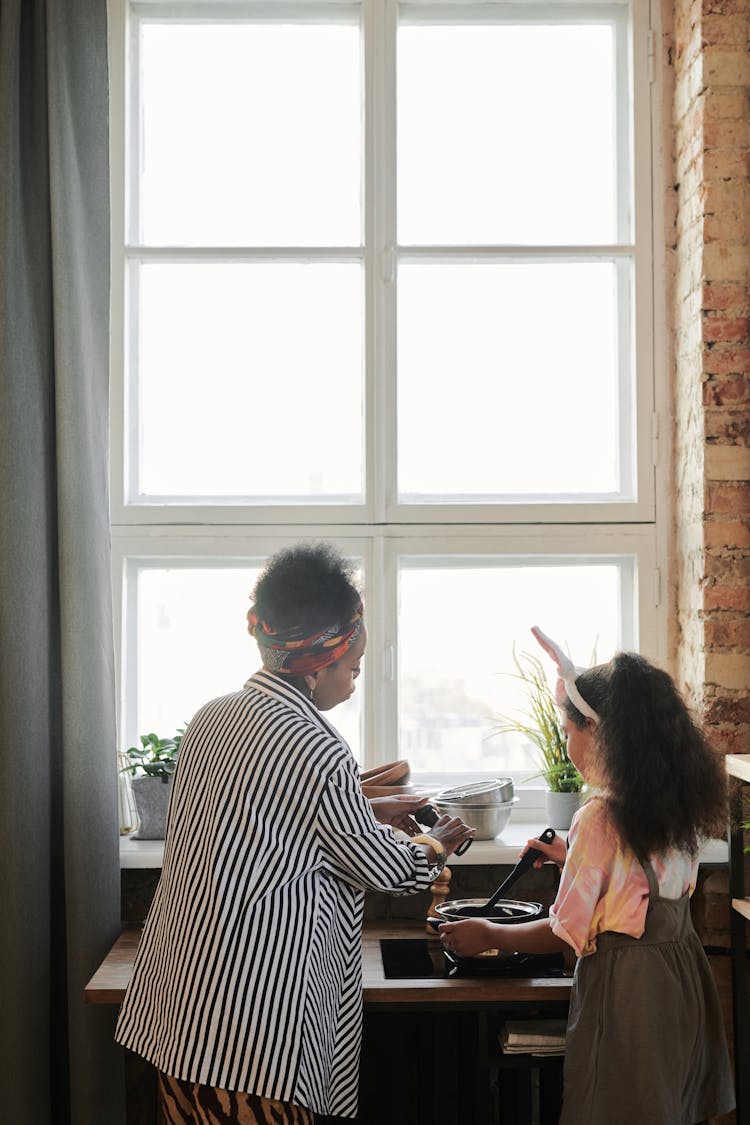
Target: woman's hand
{"points": [[472, 936], [557, 851], [398, 811], [451, 831]]}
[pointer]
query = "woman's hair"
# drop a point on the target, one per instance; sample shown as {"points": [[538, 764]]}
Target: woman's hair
{"points": [[307, 585], [666, 786]]}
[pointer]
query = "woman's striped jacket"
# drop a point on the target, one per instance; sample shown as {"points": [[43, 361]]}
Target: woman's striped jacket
{"points": [[248, 974]]}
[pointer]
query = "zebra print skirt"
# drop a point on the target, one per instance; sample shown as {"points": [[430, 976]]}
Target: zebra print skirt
{"points": [[189, 1103]]}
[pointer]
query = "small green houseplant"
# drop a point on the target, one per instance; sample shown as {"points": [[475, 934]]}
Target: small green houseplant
{"points": [[539, 722], [151, 766], [155, 757]]}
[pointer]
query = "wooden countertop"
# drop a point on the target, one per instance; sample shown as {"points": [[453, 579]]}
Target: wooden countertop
{"points": [[108, 984]]}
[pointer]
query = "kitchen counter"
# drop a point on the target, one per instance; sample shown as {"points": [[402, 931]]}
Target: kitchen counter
{"points": [[108, 984], [505, 849]]}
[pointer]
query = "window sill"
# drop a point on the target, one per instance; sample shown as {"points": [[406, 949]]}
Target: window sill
{"points": [[503, 850]]}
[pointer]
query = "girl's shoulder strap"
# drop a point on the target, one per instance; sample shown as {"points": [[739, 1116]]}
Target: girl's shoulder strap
{"points": [[653, 883]]}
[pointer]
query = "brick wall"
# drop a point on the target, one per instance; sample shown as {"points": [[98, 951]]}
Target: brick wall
{"points": [[707, 55], [708, 51], [708, 206]]}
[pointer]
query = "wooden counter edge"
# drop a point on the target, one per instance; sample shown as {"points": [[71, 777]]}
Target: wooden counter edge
{"points": [[108, 984]]}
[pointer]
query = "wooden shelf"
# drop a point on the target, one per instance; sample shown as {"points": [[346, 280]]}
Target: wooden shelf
{"points": [[738, 765]]}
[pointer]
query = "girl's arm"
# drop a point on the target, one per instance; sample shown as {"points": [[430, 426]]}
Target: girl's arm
{"points": [[474, 935]]}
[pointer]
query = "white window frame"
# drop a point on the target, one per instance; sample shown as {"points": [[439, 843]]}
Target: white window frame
{"points": [[382, 527]]}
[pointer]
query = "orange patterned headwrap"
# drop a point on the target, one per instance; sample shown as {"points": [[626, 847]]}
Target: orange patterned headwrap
{"points": [[293, 653]]}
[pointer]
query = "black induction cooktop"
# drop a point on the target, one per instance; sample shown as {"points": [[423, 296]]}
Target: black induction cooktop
{"points": [[419, 959]]}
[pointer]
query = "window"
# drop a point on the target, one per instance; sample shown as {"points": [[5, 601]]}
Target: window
{"points": [[382, 275]]}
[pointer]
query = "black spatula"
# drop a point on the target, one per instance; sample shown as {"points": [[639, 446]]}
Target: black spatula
{"points": [[523, 865]]}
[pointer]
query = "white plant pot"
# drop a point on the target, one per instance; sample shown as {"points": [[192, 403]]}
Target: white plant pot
{"points": [[561, 808], [151, 800]]}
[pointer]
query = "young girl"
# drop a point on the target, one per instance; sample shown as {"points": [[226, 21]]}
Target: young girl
{"points": [[645, 1038]]}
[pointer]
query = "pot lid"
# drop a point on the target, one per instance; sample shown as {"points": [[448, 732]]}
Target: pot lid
{"points": [[474, 789]]}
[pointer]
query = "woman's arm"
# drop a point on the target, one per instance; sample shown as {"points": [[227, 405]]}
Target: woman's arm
{"points": [[368, 856], [475, 935]]}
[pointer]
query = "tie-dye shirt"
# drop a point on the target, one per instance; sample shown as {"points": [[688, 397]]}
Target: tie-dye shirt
{"points": [[603, 886]]}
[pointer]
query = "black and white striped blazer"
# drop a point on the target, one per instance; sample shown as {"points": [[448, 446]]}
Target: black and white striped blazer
{"points": [[248, 974]]}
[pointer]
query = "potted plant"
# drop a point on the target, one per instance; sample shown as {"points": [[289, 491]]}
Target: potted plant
{"points": [[540, 724], [151, 766]]}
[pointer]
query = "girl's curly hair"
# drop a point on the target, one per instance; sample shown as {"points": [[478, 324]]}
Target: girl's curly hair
{"points": [[307, 584], [666, 786]]}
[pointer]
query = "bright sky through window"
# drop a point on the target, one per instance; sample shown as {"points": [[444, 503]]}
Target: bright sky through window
{"points": [[506, 134], [265, 149]]}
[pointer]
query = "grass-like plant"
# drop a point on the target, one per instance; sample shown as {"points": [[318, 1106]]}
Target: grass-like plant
{"points": [[155, 757], [540, 724]]}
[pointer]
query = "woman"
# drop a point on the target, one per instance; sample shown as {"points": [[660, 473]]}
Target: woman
{"points": [[246, 991]]}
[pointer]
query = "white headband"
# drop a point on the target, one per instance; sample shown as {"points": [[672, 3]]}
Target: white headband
{"points": [[567, 673]]}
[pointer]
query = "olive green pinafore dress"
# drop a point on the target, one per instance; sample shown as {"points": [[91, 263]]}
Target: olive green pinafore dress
{"points": [[645, 1040]]}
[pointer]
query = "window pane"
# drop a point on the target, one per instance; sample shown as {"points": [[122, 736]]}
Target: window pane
{"points": [[506, 134], [457, 628], [251, 134], [251, 380], [518, 363], [193, 645]]}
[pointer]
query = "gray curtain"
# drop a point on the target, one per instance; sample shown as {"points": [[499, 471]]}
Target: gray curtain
{"points": [[59, 904]]}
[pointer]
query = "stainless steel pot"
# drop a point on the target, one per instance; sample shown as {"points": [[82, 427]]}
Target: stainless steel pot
{"points": [[495, 909], [506, 912]]}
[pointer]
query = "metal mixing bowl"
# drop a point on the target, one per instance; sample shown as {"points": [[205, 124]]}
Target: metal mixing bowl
{"points": [[489, 820], [496, 791]]}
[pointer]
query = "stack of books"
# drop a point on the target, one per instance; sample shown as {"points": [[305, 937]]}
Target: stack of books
{"points": [[533, 1037]]}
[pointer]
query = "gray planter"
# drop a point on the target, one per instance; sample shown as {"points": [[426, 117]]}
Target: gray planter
{"points": [[151, 800], [561, 808]]}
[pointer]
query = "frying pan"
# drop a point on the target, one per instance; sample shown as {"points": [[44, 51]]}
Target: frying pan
{"points": [[496, 908]]}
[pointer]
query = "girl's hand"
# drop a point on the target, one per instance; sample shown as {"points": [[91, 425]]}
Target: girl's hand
{"points": [[557, 851], [471, 937], [398, 811]]}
